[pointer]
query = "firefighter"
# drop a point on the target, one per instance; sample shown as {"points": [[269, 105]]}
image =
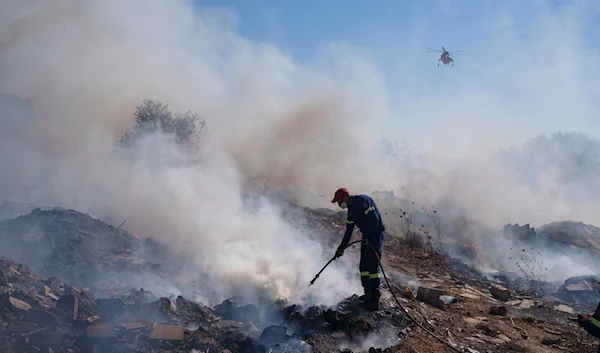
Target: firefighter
{"points": [[591, 323], [363, 212]]}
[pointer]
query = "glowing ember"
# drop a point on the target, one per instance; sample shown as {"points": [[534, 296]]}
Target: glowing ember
{"points": [[471, 250], [471, 246]]}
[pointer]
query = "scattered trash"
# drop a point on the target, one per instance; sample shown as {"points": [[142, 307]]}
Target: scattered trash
{"points": [[448, 299]]}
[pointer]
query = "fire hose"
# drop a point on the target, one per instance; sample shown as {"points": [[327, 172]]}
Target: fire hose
{"points": [[393, 295]]}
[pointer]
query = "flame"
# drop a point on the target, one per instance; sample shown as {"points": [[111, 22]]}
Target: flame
{"points": [[135, 235], [471, 247], [113, 292], [471, 250]]}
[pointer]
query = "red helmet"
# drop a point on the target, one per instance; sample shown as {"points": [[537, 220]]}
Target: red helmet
{"points": [[338, 195]]}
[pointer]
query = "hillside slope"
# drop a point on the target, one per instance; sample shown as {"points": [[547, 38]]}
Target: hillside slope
{"points": [[78, 248]]}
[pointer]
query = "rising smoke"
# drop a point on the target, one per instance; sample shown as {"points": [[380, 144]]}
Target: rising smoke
{"points": [[85, 66]]}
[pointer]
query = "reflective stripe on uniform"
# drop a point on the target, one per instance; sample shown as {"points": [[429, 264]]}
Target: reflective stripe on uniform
{"points": [[372, 208], [364, 273], [349, 222], [595, 322], [375, 275]]}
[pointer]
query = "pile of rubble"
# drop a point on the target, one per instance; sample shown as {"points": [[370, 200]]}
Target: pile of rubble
{"points": [[575, 237], [83, 251], [582, 291], [51, 316]]}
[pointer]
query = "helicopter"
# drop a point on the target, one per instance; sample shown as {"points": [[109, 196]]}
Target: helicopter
{"points": [[445, 57]]}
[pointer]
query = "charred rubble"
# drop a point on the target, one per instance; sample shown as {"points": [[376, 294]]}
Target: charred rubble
{"points": [[47, 315], [83, 251], [66, 284], [581, 291]]}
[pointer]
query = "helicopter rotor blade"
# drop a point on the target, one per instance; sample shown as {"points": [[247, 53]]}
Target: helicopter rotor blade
{"points": [[456, 51], [431, 50]]}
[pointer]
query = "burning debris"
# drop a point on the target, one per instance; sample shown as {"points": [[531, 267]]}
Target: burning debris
{"points": [[469, 251], [49, 315]]}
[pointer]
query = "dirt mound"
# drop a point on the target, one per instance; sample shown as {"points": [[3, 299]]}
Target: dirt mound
{"points": [[574, 236], [84, 251]]}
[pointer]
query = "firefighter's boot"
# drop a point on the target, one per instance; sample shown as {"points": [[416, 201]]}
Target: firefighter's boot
{"points": [[363, 299], [372, 304]]}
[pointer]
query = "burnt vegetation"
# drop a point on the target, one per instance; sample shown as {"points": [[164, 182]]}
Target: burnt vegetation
{"points": [[187, 130], [531, 265]]}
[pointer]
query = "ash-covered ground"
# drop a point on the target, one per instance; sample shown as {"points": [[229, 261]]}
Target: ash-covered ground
{"points": [[73, 283]]}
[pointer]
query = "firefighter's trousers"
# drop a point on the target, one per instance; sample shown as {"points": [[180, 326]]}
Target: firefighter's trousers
{"points": [[370, 272], [593, 329]]}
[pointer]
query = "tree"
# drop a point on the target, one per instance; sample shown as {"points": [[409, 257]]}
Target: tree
{"points": [[187, 129]]}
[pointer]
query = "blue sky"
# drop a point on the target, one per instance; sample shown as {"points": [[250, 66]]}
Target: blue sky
{"points": [[529, 65]]}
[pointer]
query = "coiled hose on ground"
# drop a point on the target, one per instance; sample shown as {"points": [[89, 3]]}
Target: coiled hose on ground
{"points": [[391, 291]]}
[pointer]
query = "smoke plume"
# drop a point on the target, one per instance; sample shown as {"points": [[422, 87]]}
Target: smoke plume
{"points": [[84, 66]]}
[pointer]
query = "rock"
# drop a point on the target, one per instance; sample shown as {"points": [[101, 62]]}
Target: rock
{"points": [[550, 341], [501, 293], [273, 334], [229, 310], [498, 310]]}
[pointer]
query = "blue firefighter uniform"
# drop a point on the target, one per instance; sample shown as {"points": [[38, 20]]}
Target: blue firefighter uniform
{"points": [[363, 212], [591, 323]]}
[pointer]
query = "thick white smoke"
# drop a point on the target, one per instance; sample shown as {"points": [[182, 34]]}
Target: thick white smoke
{"points": [[86, 65]]}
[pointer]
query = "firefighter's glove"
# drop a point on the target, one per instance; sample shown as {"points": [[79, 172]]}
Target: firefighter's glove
{"points": [[339, 252], [581, 320]]}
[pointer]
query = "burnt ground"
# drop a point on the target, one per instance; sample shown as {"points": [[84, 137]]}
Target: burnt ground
{"points": [[529, 324], [62, 295]]}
